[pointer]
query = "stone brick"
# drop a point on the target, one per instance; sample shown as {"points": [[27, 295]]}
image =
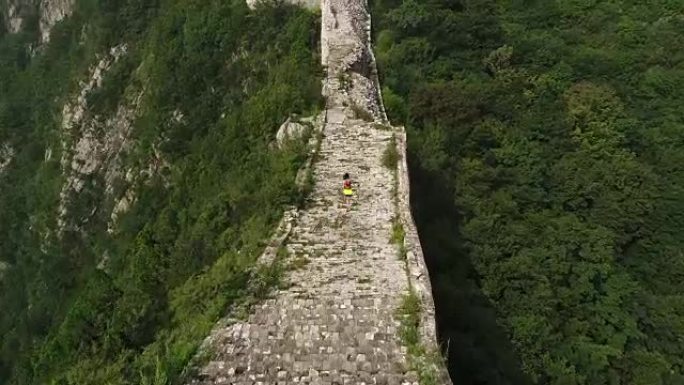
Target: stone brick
{"points": [[333, 322]]}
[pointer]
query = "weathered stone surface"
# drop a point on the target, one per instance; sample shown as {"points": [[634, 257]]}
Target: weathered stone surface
{"points": [[6, 156], [311, 4], [290, 130], [4, 266], [335, 321], [90, 145], [352, 283], [14, 13], [50, 12]]}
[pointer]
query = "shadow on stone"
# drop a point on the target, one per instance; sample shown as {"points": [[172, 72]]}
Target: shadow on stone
{"points": [[479, 351], [363, 65]]}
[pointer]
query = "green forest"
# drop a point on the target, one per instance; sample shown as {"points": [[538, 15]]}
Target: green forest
{"points": [[181, 256], [546, 145]]}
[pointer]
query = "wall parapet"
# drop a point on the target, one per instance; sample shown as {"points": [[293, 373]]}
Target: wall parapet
{"points": [[416, 267]]}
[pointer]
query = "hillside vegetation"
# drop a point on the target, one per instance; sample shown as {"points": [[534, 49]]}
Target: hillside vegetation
{"points": [[81, 305], [547, 144]]}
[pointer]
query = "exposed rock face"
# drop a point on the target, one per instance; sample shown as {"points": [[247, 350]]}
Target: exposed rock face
{"points": [[335, 319], [6, 156], [14, 13], [49, 12]]}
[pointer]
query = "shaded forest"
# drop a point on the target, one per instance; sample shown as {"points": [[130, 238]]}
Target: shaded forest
{"points": [[546, 144], [181, 255]]}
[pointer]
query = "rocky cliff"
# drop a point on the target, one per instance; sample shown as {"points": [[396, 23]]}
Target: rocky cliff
{"points": [[16, 13]]}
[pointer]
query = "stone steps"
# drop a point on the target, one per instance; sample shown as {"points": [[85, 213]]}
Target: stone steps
{"points": [[334, 320]]}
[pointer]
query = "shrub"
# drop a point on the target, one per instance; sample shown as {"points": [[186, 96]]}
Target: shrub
{"points": [[390, 157]]}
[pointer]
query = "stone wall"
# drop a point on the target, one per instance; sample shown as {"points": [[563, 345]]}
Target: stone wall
{"points": [[50, 12], [417, 268], [418, 272], [336, 319]]}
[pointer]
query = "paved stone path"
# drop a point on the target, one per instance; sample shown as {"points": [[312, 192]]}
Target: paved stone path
{"points": [[335, 323]]}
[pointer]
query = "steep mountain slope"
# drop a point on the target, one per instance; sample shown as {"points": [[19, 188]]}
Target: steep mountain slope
{"points": [[139, 176]]}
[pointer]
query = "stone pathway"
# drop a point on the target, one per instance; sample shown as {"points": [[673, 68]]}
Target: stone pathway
{"points": [[335, 323]]}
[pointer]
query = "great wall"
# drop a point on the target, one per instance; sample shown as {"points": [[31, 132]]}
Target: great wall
{"points": [[336, 318]]}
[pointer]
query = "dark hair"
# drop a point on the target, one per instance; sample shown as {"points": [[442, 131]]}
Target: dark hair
{"points": [[345, 176]]}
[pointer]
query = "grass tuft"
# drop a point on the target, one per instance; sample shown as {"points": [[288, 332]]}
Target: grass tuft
{"points": [[390, 157], [422, 361], [299, 262], [361, 113]]}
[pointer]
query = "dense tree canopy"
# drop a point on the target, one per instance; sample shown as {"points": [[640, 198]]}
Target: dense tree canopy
{"points": [[546, 143], [181, 256]]}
